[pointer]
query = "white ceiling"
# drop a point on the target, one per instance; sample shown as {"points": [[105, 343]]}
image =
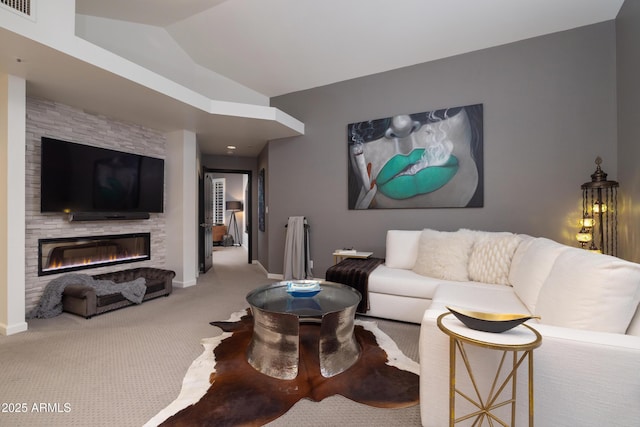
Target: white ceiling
{"points": [[281, 46]]}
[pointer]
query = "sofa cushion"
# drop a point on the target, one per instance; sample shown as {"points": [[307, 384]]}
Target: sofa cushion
{"points": [[397, 281], [443, 255], [490, 258], [479, 297], [402, 248], [590, 291], [530, 267], [104, 300]]}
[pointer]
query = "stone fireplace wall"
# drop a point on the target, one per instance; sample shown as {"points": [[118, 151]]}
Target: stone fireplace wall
{"points": [[55, 120]]}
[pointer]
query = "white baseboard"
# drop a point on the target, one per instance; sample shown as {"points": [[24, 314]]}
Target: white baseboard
{"points": [[273, 275], [266, 273], [13, 329]]}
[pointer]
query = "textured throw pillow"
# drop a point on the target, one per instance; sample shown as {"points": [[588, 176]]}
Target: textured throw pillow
{"points": [[490, 258], [443, 255]]}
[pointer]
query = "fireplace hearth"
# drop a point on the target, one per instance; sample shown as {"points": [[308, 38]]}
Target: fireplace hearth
{"points": [[61, 255]]}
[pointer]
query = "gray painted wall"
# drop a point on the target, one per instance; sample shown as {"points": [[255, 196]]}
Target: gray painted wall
{"points": [[549, 110], [628, 70]]}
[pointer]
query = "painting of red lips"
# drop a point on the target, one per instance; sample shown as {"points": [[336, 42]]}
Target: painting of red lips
{"points": [[432, 159]]}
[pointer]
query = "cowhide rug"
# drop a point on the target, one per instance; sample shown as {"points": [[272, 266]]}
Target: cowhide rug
{"points": [[222, 389]]}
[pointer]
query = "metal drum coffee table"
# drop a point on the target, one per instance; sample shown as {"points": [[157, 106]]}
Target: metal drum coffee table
{"points": [[277, 312]]}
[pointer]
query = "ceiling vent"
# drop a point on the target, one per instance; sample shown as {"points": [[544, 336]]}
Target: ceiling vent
{"points": [[21, 6]]}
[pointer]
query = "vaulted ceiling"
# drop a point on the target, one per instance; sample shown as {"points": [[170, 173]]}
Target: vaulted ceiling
{"points": [[267, 48], [281, 46]]}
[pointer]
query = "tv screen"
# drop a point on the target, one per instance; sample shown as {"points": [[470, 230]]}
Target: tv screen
{"points": [[81, 178]]}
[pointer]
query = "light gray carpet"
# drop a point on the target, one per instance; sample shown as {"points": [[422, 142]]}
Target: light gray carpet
{"points": [[121, 368]]}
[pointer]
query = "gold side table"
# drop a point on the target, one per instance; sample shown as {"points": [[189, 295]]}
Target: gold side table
{"points": [[522, 338]]}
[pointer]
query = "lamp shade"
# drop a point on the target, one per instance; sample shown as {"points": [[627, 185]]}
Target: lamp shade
{"points": [[599, 206], [584, 236], [587, 222], [234, 205]]}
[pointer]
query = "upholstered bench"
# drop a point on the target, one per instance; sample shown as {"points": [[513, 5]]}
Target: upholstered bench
{"points": [[82, 300]]}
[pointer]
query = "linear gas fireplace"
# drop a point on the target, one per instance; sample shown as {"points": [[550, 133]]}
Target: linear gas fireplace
{"points": [[76, 253]]}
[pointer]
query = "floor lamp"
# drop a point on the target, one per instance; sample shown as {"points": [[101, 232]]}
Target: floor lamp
{"points": [[599, 232], [234, 206]]}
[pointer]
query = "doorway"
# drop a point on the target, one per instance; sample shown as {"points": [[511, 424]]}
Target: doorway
{"points": [[225, 200]]}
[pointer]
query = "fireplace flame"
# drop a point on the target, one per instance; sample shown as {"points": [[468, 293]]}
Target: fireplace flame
{"points": [[94, 252], [55, 265]]}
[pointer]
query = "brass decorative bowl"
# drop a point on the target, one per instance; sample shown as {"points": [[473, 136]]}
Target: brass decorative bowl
{"points": [[490, 322]]}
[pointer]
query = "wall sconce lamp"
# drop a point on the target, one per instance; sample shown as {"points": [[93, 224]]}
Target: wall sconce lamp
{"points": [[599, 223]]}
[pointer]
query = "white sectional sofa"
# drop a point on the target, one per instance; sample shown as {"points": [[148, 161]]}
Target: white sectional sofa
{"points": [[587, 370]]}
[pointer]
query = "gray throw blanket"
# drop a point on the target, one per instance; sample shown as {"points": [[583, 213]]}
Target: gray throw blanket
{"points": [[50, 304], [296, 250]]}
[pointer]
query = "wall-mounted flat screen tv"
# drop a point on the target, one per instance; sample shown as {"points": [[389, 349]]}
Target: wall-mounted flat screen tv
{"points": [[82, 178]]}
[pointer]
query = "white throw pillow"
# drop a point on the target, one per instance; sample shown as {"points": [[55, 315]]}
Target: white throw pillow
{"points": [[443, 255], [590, 291], [490, 259], [402, 248]]}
